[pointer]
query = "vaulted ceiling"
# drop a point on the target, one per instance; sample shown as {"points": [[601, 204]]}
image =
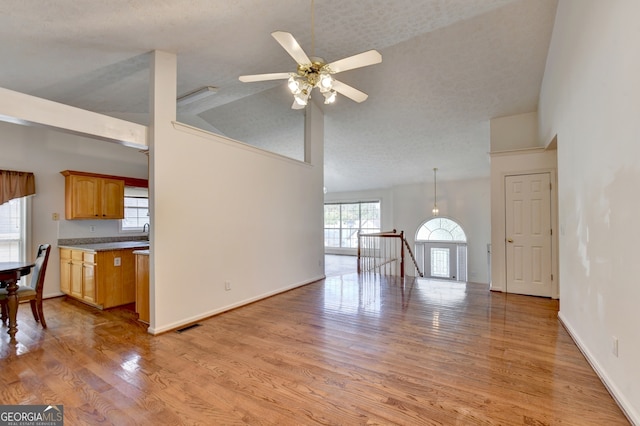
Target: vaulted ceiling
{"points": [[448, 67]]}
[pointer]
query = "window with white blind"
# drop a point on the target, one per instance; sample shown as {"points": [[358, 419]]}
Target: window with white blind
{"points": [[136, 209], [13, 240]]}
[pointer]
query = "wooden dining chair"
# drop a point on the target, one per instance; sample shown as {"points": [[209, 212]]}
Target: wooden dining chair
{"points": [[33, 291]]}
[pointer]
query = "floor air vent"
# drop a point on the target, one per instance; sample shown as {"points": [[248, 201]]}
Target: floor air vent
{"points": [[189, 327]]}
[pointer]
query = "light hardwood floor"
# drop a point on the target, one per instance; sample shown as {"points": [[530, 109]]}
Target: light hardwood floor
{"points": [[348, 350], [336, 264]]}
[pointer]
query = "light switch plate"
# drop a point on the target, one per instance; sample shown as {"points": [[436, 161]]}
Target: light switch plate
{"points": [[116, 261]]}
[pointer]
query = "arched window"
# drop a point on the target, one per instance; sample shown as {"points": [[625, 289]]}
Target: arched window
{"points": [[441, 249], [441, 229]]}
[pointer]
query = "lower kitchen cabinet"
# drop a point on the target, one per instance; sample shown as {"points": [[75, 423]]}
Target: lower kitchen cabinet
{"points": [[89, 278], [73, 277], [116, 280], [103, 279], [142, 285]]}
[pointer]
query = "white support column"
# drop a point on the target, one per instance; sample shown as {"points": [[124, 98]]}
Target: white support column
{"points": [[314, 155], [162, 112]]}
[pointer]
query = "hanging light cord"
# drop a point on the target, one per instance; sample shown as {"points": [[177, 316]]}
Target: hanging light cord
{"points": [[435, 188], [435, 193], [313, 37]]}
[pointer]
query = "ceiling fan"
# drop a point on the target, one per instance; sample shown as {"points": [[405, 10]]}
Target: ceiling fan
{"points": [[314, 72]]}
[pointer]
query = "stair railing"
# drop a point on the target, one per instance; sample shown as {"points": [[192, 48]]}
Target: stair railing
{"points": [[384, 253]]}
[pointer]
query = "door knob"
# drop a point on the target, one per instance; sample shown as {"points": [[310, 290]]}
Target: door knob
{"points": [[509, 240]]}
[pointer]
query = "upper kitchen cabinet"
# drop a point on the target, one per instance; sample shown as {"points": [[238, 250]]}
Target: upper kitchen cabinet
{"points": [[91, 196]]}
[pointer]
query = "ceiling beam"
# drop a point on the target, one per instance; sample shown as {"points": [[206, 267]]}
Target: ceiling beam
{"points": [[28, 110]]}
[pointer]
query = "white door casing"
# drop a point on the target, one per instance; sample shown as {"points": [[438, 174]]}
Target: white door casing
{"points": [[528, 234]]}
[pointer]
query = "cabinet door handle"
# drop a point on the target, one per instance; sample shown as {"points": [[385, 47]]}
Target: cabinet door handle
{"points": [[509, 240]]}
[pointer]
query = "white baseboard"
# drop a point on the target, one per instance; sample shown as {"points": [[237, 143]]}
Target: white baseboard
{"points": [[209, 314], [632, 415], [52, 295]]}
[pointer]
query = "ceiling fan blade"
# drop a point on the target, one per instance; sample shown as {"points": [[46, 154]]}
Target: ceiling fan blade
{"points": [[350, 92], [292, 47], [265, 77], [364, 59]]}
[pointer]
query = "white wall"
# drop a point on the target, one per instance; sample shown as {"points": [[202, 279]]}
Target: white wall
{"points": [[256, 221], [46, 153], [590, 100], [514, 132], [406, 207]]}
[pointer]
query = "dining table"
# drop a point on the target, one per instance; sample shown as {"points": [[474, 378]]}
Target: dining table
{"points": [[10, 274]]}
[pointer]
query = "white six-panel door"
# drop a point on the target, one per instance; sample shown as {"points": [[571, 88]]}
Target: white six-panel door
{"points": [[528, 234]]}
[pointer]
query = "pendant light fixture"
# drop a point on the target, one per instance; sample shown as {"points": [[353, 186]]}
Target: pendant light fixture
{"points": [[435, 210]]}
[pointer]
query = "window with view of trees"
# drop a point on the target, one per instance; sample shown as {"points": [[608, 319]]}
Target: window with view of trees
{"points": [[343, 221]]}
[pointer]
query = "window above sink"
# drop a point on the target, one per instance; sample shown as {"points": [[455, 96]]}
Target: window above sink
{"points": [[136, 210]]}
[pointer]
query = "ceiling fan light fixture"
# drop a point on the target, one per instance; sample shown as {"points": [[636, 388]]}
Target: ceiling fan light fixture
{"points": [[294, 85], [325, 83], [302, 98], [313, 72], [330, 96]]}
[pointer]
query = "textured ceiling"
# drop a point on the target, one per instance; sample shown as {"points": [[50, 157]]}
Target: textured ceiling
{"points": [[448, 67]]}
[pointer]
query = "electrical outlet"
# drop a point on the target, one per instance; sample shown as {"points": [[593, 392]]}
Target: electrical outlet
{"points": [[117, 261], [614, 345], [92, 228], [55, 216], [227, 285]]}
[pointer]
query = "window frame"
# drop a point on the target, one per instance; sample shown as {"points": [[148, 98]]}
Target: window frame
{"points": [[24, 244], [458, 247], [341, 239], [131, 195]]}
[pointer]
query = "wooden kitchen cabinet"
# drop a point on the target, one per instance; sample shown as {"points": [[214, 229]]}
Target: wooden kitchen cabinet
{"points": [[65, 271], [103, 279], [77, 274], [89, 292], [116, 278], [90, 196], [142, 287]]}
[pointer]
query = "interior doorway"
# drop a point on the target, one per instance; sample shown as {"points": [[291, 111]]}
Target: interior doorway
{"points": [[441, 249], [528, 234]]}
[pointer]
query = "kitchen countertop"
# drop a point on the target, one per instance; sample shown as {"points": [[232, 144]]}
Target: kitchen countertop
{"points": [[119, 245], [141, 252]]}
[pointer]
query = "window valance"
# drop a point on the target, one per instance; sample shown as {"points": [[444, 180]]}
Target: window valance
{"points": [[16, 184]]}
